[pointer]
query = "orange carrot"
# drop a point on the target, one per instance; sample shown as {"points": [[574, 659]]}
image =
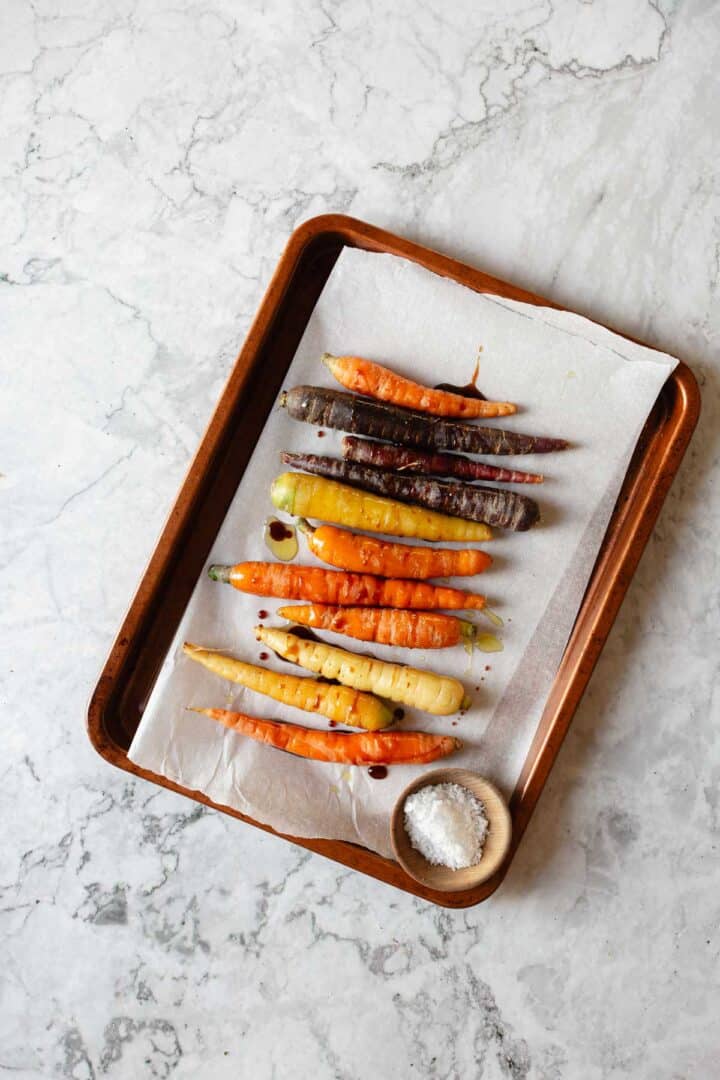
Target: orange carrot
{"points": [[373, 380], [387, 626], [365, 554], [366, 748], [338, 587]]}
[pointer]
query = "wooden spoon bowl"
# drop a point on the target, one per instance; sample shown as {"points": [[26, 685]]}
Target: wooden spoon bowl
{"points": [[497, 841]]}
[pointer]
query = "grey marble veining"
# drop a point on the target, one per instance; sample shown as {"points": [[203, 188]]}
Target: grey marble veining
{"points": [[154, 159]]}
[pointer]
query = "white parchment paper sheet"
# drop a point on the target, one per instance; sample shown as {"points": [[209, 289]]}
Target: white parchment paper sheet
{"points": [[573, 379]]}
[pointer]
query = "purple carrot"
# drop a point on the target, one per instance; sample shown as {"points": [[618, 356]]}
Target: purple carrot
{"points": [[422, 463], [361, 416]]}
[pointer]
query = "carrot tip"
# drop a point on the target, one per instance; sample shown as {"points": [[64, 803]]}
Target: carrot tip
{"points": [[220, 573], [327, 358]]}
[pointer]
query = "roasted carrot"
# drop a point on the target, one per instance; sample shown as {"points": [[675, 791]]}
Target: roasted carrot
{"points": [[424, 463], [308, 496], [367, 554], [338, 587], [376, 381], [347, 748], [437, 694], [360, 416], [494, 506], [386, 626], [338, 703]]}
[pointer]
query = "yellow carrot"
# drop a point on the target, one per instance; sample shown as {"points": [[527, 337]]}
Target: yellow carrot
{"points": [[438, 694], [338, 703], [317, 497]]}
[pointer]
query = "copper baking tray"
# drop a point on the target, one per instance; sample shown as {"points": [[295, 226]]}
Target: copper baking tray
{"points": [[124, 686]]}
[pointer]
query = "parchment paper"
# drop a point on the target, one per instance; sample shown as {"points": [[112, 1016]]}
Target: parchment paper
{"points": [[573, 379]]}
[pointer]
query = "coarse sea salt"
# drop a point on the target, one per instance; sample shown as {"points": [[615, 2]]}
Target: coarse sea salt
{"points": [[446, 823]]}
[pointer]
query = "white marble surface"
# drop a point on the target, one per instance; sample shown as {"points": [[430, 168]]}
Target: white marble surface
{"points": [[154, 159]]}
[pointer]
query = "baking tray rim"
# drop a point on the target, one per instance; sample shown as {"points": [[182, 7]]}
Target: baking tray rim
{"points": [[629, 529]]}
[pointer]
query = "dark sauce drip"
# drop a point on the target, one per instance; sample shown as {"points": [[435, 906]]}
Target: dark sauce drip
{"points": [[279, 532], [263, 614], [264, 656], [398, 715], [378, 772], [332, 723], [470, 390], [321, 434], [303, 632]]}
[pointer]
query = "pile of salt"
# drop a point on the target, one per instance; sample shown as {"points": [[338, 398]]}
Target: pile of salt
{"points": [[446, 823]]}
